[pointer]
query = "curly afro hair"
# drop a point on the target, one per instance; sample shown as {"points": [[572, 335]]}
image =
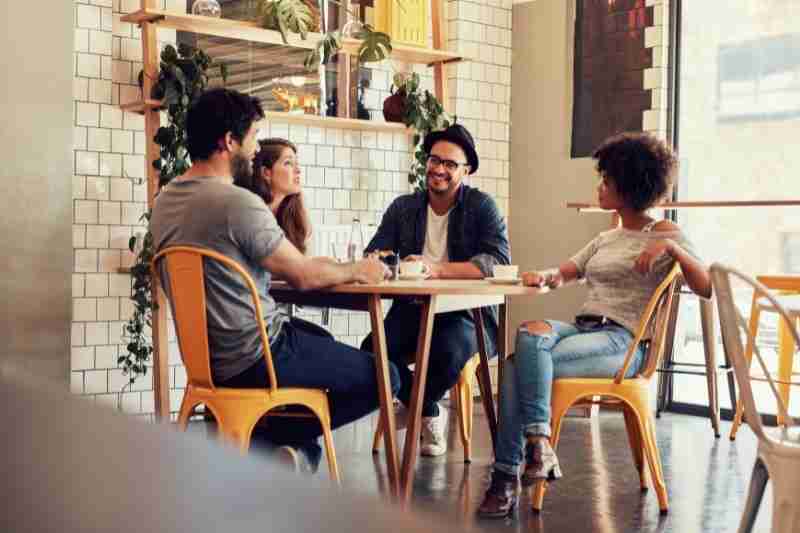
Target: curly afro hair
{"points": [[640, 166]]}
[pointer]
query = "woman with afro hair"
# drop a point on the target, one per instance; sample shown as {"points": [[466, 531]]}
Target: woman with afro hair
{"points": [[622, 269]]}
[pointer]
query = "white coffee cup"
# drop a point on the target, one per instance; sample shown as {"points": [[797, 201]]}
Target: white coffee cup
{"points": [[412, 268], [505, 271]]}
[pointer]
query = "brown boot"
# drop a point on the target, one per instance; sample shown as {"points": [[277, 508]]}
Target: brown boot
{"points": [[501, 496], [540, 461]]}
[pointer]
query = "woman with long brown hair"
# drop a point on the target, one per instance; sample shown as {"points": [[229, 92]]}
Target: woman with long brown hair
{"points": [[276, 179]]}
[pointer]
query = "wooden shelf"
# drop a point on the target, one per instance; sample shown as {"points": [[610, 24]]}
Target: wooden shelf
{"points": [[140, 106], [590, 207], [294, 118], [251, 31], [336, 122]]}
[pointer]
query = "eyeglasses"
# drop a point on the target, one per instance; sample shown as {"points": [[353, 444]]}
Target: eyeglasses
{"points": [[449, 165]]}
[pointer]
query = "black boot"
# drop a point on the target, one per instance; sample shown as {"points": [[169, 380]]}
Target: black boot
{"points": [[501, 496]]}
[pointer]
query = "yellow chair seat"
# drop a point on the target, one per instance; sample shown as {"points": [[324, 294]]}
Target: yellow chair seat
{"points": [[631, 395]]}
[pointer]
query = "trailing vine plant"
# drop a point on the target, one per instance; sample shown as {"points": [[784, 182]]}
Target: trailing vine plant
{"points": [[425, 113], [181, 79]]}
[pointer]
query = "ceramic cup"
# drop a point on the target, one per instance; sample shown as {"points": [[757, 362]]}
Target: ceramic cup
{"points": [[505, 271]]}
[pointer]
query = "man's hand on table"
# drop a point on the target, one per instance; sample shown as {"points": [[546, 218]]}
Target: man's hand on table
{"points": [[370, 270]]}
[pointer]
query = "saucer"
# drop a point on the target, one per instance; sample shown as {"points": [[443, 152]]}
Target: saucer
{"points": [[414, 277], [504, 281]]}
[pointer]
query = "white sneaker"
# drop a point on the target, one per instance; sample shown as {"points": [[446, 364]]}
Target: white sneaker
{"points": [[434, 437]]}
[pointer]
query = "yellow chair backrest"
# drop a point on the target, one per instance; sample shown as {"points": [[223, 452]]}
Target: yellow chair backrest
{"points": [[187, 293], [654, 321]]}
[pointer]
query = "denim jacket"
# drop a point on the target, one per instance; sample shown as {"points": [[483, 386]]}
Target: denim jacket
{"points": [[475, 232]]}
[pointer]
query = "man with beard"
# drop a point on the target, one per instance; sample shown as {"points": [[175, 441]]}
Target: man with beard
{"points": [[457, 231], [203, 208]]}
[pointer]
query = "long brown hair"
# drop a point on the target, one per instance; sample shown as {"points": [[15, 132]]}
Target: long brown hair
{"points": [[292, 215]]}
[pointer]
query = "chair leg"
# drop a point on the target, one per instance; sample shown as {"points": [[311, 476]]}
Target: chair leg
{"points": [[376, 441], [637, 445], [539, 488], [467, 406], [709, 352], [647, 428], [785, 357], [461, 394], [330, 451], [755, 313], [758, 481], [187, 408]]}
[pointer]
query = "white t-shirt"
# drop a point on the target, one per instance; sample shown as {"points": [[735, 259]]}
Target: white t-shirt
{"points": [[435, 248]]}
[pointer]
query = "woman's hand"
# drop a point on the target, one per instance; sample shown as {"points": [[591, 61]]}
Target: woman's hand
{"points": [[532, 279], [651, 253], [550, 278]]}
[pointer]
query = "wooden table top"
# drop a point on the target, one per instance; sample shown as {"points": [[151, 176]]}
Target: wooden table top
{"points": [[423, 288]]}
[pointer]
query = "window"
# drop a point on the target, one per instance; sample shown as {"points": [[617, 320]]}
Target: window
{"points": [[759, 79], [738, 118]]}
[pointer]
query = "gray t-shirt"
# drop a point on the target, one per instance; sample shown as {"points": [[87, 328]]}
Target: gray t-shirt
{"points": [[616, 290], [238, 224]]}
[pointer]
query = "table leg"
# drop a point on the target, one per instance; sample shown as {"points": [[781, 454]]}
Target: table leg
{"points": [[485, 379], [385, 393], [709, 348], [417, 392], [502, 344]]}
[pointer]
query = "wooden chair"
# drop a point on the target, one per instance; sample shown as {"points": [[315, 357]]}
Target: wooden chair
{"points": [[778, 456], [236, 410], [462, 397], [631, 395], [788, 286]]}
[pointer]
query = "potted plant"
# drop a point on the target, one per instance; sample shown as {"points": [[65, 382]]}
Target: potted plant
{"points": [[419, 109], [302, 16]]}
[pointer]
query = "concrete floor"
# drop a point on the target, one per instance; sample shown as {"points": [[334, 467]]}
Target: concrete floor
{"points": [[707, 478]]}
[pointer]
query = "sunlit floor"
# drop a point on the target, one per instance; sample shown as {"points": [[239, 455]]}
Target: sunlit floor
{"points": [[707, 478]]}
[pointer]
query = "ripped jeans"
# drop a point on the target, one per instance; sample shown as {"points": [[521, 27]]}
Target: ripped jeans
{"points": [[566, 351]]}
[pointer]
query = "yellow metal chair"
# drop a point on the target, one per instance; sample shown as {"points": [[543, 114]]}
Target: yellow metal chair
{"points": [[236, 410], [788, 286], [631, 395], [462, 397]]}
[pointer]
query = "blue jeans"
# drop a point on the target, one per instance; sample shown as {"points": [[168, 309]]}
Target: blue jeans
{"points": [[566, 351], [306, 356], [453, 343]]}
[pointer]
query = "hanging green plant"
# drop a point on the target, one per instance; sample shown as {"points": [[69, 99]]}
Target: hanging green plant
{"points": [[286, 16], [423, 112], [182, 77], [296, 16]]}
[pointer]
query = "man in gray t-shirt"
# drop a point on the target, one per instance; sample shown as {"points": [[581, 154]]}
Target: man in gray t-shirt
{"points": [[203, 208]]}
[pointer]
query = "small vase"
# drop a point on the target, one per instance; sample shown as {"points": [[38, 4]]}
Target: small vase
{"points": [[207, 8], [394, 107]]}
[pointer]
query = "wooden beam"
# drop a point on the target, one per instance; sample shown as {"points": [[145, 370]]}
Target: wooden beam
{"points": [[591, 207], [439, 24], [152, 121]]}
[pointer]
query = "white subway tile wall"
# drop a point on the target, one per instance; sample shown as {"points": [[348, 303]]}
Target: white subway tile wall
{"points": [[346, 174]]}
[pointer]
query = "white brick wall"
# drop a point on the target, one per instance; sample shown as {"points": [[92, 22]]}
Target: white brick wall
{"points": [[656, 78], [346, 173]]}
